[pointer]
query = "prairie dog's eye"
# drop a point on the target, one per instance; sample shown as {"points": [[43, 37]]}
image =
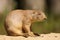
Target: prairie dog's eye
{"points": [[39, 14]]}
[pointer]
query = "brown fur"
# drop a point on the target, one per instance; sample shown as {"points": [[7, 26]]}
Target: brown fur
{"points": [[19, 20]]}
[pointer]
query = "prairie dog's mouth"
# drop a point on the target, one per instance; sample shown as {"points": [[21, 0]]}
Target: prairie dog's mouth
{"points": [[43, 20]]}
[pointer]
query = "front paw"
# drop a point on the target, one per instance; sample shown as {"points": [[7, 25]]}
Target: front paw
{"points": [[31, 34]]}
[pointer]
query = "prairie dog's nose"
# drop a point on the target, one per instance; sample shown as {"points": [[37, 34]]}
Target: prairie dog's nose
{"points": [[45, 18]]}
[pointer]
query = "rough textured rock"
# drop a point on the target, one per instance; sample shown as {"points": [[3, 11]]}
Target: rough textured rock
{"points": [[51, 36]]}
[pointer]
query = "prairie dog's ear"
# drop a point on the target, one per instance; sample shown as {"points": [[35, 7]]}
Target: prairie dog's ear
{"points": [[33, 13]]}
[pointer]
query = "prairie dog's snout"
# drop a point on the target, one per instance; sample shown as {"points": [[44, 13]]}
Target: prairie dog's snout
{"points": [[45, 18]]}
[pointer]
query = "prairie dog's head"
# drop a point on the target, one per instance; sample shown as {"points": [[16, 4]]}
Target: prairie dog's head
{"points": [[39, 16]]}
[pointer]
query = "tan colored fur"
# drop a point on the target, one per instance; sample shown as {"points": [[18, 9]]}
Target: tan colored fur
{"points": [[19, 20]]}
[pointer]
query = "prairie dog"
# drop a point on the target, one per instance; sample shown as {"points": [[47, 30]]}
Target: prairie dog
{"points": [[19, 20]]}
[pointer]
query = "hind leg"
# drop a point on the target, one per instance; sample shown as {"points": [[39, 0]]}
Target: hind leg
{"points": [[15, 30]]}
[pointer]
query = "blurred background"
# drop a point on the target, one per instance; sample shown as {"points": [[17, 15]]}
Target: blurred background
{"points": [[50, 7]]}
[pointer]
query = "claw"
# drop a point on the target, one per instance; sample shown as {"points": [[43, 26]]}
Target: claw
{"points": [[36, 34]]}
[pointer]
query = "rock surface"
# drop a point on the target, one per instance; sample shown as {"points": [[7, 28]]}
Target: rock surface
{"points": [[51, 36]]}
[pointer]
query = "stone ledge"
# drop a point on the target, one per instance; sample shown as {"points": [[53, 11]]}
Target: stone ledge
{"points": [[51, 36]]}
